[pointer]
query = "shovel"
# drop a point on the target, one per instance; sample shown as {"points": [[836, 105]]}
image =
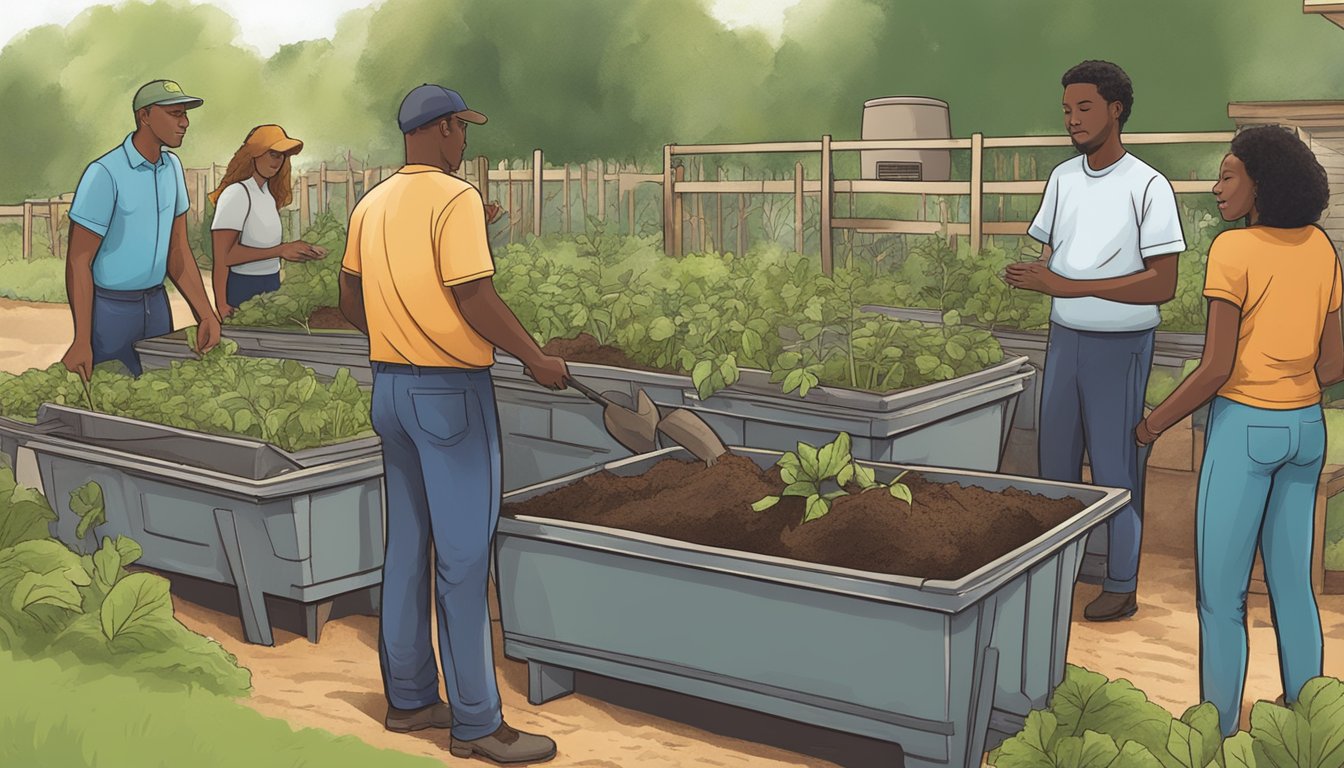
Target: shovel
{"points": [[692, 433], [636, 429]]}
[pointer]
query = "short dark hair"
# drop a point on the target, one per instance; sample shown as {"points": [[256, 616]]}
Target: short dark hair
{"points": [[1291, 188], [1111, 81]]}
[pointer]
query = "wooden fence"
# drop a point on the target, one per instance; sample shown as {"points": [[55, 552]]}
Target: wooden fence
{"points": [[675, 185], [519, 191]]}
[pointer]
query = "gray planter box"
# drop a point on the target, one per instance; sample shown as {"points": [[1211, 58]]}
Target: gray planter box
{"points": [[1170, 351], [13, 436], [304, 526], [947, 669], [961, 423]]}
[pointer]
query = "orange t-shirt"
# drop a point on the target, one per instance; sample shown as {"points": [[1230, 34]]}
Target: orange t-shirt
{"points": [[1284, 281], [412, 238]]}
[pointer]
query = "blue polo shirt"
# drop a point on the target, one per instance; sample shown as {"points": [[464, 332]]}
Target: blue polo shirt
{"points": [[131, 204]]}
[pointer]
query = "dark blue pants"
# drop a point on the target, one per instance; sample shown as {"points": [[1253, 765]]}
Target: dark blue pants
{"points": [[239, 288], [1092, 396], [121, 318], [441, 465]]}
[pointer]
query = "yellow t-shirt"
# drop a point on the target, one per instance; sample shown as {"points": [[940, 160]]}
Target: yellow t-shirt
{"points": [[412, 238], [1285, 281]]}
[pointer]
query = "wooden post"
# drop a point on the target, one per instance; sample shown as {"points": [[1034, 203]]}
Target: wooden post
{"points": [[322, 187], [483, 177], [1017, 166], [537, 202], [27, 231], [305, 206], [564, 193], [508, 187], [669, 194], [718, 202], [798, 207], [349, 186], [827, 190], [583, 193], [741, 222], [634, 188], [602, 190], [54, 225], [977, 190], [677, 215]]}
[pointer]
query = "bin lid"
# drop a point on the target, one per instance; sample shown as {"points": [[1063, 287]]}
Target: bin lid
{"points": [[922, 101]]}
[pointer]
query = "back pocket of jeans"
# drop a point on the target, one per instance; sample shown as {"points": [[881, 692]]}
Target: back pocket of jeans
{"points": [[1310, 443], [442, 414], [1268, 445]]}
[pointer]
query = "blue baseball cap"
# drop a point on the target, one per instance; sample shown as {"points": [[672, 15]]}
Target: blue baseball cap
{"points": [[427, 103]]}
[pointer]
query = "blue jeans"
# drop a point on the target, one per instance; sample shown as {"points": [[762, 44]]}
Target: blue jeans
{"points": [[239, 288], [1092, 396], [441, 463], [121, 318], [1257, 486]]}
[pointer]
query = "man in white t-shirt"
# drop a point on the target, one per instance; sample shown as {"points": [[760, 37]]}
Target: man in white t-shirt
{"points": [[1112, 235]]}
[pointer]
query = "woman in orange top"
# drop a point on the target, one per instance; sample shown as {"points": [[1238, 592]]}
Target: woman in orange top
{"points": [[1273, 341]]}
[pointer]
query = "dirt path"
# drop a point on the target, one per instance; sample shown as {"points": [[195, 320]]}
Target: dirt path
{"points": [[335, 685], [36, 335]]}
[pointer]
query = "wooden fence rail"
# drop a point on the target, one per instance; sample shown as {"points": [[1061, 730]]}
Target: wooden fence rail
{"points": [[522, 191], [827, 187]]}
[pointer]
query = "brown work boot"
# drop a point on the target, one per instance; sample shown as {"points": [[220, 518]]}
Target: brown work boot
{"points": [[436, 715], [1111, 606], [506, 745]]}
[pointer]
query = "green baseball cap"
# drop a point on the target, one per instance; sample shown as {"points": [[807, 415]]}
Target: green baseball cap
{"points": [[163, 92]]}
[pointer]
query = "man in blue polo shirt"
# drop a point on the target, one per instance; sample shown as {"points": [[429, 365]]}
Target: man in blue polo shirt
{"points": [[128, 230]]}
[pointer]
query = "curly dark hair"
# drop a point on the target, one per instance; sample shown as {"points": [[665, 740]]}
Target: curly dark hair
{"points": [[1291, 188], [1111, 81]]}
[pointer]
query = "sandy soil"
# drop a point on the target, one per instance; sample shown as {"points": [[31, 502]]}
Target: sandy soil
{"points": [[335, 684]]}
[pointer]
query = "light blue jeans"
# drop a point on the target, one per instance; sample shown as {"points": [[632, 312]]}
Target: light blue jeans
{"points": [[442, 471], [1257, 486]]}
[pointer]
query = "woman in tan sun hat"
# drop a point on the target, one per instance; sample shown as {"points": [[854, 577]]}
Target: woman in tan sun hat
{"points": [[246, 231]]}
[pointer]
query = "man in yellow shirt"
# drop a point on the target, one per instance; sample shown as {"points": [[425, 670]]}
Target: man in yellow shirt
{"points": [[416, 278]]}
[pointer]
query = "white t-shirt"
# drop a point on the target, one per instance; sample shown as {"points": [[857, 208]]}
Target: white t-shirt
{"points": [[249, 209], [1102, 224]]}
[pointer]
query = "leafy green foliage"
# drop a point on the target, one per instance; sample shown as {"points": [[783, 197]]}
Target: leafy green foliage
{"points": [[24, 513], [1162, 383], [54, 601], [1110, 724], [934, 275], [821, 475], [1188, 311], [1310, 732], [86, 502], [277, 401], [713, 315], [305, 286]]}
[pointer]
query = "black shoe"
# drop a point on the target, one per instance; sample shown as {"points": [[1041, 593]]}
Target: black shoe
{"points": [[1112, 606], [436, 715]]}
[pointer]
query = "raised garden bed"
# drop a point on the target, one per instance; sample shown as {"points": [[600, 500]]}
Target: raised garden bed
{"points": [[304, 526], [961, 423], [946, 667], [1171, 351]]}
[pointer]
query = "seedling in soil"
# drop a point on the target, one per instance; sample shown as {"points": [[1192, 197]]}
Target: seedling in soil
{"points": [[820, 476]]}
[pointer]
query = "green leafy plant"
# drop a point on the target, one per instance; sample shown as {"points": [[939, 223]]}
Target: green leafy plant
{"points": [[277, 401], [86, 502], [305, 286], [54, 601], [821, 475], [1095, 722], [1309, 732]]}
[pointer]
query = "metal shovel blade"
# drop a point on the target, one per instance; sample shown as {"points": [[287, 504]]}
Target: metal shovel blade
{"points": [[636, 429], [692, 433]]}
